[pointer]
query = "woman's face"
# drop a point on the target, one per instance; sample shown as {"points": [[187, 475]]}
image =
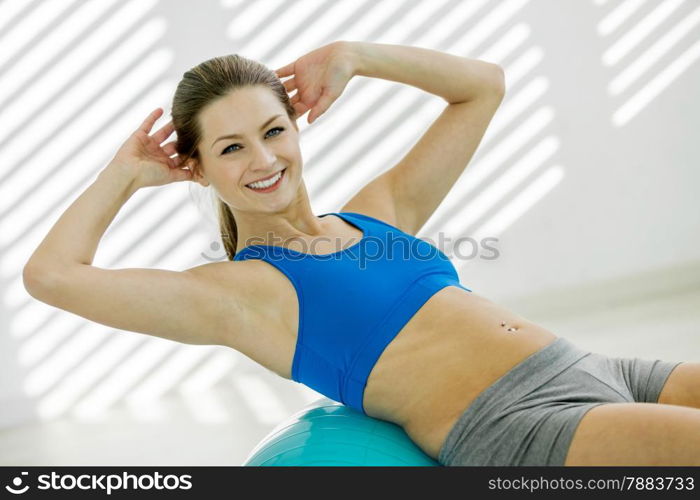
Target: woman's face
{"points": [[266, 141]]}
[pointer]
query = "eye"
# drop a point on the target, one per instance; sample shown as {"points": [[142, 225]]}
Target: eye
{"points": [[281, 129]]}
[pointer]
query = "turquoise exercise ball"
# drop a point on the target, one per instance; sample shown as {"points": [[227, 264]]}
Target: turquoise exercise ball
{"points": [[329, 433]]}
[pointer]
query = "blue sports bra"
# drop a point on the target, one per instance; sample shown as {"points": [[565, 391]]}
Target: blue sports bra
{"points": [[352, 303]]}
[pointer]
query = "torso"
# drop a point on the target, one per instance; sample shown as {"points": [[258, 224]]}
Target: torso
{"points": [[451, 350]]}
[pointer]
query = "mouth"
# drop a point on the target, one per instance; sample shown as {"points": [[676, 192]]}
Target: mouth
{"points": [[264, 186]]}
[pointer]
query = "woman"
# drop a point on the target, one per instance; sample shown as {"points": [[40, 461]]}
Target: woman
{"points": [[397, 337]]}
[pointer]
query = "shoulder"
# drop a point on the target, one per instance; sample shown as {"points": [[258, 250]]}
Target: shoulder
{"points": [[376, 200]]}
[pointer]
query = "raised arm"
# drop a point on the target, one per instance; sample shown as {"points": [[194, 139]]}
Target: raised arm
{"points": [[182, 306], [473, 89]]}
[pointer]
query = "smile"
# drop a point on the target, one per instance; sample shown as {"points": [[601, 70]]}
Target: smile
{"points": [[268, 185]]}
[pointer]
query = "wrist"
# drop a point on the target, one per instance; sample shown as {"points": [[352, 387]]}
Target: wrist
{"points": [[121, 177], [357, 55]]}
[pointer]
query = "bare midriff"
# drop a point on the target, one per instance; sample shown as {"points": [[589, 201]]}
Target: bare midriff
{"points": [[454, 347]]}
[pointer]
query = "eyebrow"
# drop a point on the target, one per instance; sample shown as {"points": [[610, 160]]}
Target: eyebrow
{"points": [[231, 136]]}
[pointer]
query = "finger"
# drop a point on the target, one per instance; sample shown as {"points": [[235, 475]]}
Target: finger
{"points": [[174, 161], [182, 174], [169, 148], [164, 132], [147, 124], [321, 106], [290, 84], [300, 108], [285, 70]]}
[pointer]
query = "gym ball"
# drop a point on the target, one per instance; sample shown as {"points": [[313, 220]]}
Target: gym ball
{"points": [[328, 433]]}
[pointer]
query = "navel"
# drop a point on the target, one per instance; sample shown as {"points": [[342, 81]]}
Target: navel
{"points": [[510, 328]]}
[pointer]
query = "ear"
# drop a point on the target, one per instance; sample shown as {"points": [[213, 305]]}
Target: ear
{"points": [[197, 173]]}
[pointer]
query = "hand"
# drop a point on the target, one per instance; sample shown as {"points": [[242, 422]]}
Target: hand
{"points": [[319, 78], [144, 159]]}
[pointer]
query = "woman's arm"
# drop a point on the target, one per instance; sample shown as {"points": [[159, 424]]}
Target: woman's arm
{"points": [[420, 181], [73, 239], [456, 79], [194, 306], [142, 161]]}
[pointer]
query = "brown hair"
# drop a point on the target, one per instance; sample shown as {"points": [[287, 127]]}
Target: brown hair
{"points": [[206, 82]]}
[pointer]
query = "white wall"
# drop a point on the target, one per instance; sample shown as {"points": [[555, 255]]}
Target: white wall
{"points": [[621, 203]]}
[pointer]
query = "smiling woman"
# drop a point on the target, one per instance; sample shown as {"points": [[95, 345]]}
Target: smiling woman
{"points": [[219, 96], [392, 335]]}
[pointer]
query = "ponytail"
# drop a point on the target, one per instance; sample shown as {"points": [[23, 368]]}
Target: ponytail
{"points": [[228, 229]]}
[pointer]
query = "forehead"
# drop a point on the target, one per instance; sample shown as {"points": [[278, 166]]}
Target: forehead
{"points": [[240, 111]]}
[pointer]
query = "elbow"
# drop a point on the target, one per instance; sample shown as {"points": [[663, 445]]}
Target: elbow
{"points": [[492, 85], [499, 81], [39, 282], [30, 279]]}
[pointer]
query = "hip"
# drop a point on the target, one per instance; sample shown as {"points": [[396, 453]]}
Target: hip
{"points": [[529, 416], [427, 392]]}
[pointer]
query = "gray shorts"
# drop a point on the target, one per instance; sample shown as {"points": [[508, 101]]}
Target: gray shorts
{"points": [[529, 415]]}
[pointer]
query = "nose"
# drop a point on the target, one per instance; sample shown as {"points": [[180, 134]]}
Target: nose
{"points": [[264, 157]]}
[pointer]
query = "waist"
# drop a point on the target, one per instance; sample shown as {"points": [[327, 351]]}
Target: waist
{"points": [[406, 306], [430, 374], [344, 378]]}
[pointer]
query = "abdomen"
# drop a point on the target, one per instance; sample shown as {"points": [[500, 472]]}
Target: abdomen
{"points": [[452, 349]]}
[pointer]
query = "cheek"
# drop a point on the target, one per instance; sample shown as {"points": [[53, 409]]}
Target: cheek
{"points": [[225, 181], [293, 152]]}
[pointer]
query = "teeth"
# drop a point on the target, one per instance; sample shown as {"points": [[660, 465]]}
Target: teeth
{"points": [[267, 183]]}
